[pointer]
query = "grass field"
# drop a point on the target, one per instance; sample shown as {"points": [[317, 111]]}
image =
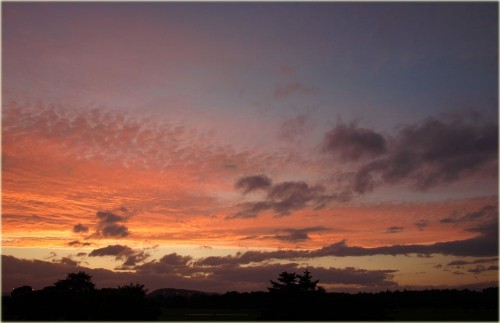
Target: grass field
{"points": [[401, 314], [445, 314], [200, 314]]}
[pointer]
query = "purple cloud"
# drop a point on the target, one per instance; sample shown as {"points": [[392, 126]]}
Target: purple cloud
{"points": [[426, 154], [352, 143], [285, 197], [253, 183]]}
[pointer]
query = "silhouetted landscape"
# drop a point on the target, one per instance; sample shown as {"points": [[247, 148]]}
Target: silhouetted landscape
{"points": [[292, 296]]}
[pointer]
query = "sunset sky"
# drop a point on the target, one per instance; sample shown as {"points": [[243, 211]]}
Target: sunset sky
{"points": [[211, 146]]}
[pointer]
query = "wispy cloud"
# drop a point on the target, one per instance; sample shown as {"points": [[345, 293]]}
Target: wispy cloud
{"points": [[284, 91]]}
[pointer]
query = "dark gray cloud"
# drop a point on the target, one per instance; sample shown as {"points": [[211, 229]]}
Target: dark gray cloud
{"points": [[294, 235], [114, 230], [134, 259], [395, 229], [427, 154], [174, 259], [351, 142], [129, 256], [285, 197], [172, 263], [80, 228], [252, 183], [110, 225], [108, 217], [422, 224], [112, 250]]}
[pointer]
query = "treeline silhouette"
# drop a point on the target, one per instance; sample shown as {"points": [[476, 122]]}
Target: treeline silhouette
{"points": [[291, 297], [76, 299]]}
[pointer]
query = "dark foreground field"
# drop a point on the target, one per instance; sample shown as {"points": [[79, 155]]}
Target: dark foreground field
{"points": [[292, 298], [127, 304], [430, 305]]}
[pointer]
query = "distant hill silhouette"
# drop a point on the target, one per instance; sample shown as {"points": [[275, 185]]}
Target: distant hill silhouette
{"points": [[173, 292]]}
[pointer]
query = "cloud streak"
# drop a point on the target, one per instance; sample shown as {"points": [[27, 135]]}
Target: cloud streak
{"points": [[295, 235]]}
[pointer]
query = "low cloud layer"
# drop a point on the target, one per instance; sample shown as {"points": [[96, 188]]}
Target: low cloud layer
{"points": [[427, 154], [177, 271], [483, 245]]}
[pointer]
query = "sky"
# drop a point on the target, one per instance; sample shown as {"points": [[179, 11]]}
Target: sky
{"points": [[212, 146]]}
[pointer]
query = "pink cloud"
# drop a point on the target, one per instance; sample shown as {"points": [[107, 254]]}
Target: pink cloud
{"points": [[283, 92]]}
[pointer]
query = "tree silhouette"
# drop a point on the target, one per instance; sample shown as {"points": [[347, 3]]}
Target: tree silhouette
{"points": [[295, 297], [79, 282], [21, 291], [292, 283], [287, 283]]}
